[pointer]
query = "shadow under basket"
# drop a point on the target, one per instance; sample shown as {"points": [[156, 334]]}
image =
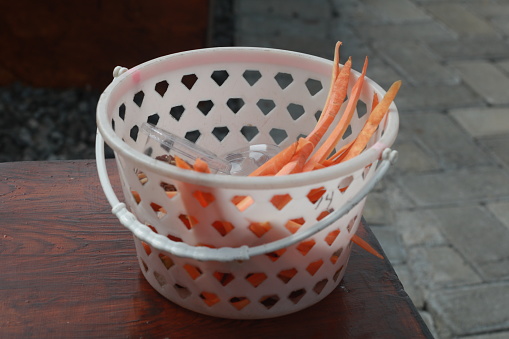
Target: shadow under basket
{"points": [[231, 246]]}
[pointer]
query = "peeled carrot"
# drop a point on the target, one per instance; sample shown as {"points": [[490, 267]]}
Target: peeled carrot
{"points": [[201, 166], [256, 278], [336, 99], [340, 155], [374, 120], [242, 203], [277, 162], [342, 125], [365, 246], [374, 102], [296, 164], [182, 164], [335, 72]]}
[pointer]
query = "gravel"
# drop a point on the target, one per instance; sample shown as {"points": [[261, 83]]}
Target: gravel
{"points": [[59, 124], [46, 124]]}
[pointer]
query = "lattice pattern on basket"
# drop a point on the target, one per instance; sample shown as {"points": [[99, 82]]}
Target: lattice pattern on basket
{"points": [[222, 106], [308, 271], [196, 214], [289, 103]]}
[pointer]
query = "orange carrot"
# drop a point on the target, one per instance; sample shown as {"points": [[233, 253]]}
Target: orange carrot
{"points": [[365, 246], [171, 194], [336, 99], [287, 275], [374, 102], [306, 246], [335, 72], [314, 266], [374, 120], [256, 278], [277, 162], [242, 203], [179, 162], [201, 166], [294, 224], [260, 228], [342, 125], [298, 160], [340, 155]]}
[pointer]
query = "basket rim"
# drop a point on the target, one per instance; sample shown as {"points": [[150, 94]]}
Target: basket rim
{"points": [[240, 182]]}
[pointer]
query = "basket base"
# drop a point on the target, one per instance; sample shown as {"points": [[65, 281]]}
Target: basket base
{"points": [[224, 299]]}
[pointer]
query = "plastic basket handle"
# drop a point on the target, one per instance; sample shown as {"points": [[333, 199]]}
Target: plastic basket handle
{"points": [[224, 254]]}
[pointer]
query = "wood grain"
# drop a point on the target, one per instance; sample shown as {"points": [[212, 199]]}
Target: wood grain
{"points": [[56, 43], [69, 269]]}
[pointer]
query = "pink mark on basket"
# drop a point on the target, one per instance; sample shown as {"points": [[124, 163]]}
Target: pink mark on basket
{"points": [[379, 147], [136, 76]]}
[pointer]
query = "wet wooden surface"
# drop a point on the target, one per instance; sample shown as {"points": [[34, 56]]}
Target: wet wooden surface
{"points": [[69, 269]]}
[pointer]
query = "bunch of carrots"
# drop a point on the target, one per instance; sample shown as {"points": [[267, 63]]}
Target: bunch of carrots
{"points": [[303, 155]]}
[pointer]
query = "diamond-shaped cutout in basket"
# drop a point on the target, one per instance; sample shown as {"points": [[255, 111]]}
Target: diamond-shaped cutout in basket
{"points": [[223, 278], [242, 202], [294, 225], [256, 279], [223, 227], [260, 228], [280, 201]]}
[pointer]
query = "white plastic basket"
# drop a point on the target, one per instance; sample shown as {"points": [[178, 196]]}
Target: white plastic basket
{"points": [[272, 258]]}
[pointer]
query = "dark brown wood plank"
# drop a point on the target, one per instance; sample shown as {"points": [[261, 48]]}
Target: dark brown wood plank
{"points": [[78, 43], [69, 269]]}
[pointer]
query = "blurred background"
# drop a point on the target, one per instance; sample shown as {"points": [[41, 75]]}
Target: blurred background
{"points": [[441, 214], [56, 57]]}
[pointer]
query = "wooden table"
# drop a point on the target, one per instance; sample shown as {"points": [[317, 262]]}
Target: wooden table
{"points": [[69, 270]]}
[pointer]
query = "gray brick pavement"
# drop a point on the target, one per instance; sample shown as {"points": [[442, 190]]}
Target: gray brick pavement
{"points": [[441, 214], [470, 310]]}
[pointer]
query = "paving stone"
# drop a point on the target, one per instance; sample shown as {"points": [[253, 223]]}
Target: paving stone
{"points": [[413, 158], [501, 210], [473, 309], [284, 8], [436, 267], [488, 9], [483, 121], [443, 138], [270, 26], [456, 187], [419, 228], [391, 243], [423, 31], [377, 210], [431, 97], [479, 237], [398, 198], [501, 24], [465, 49], [497, 335], [466, 24], [354, 11], [408, 282], [322, 47], [380, 72], [416, 62], [498, 146], [504, 65], [485, 79], [397, 11]]}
